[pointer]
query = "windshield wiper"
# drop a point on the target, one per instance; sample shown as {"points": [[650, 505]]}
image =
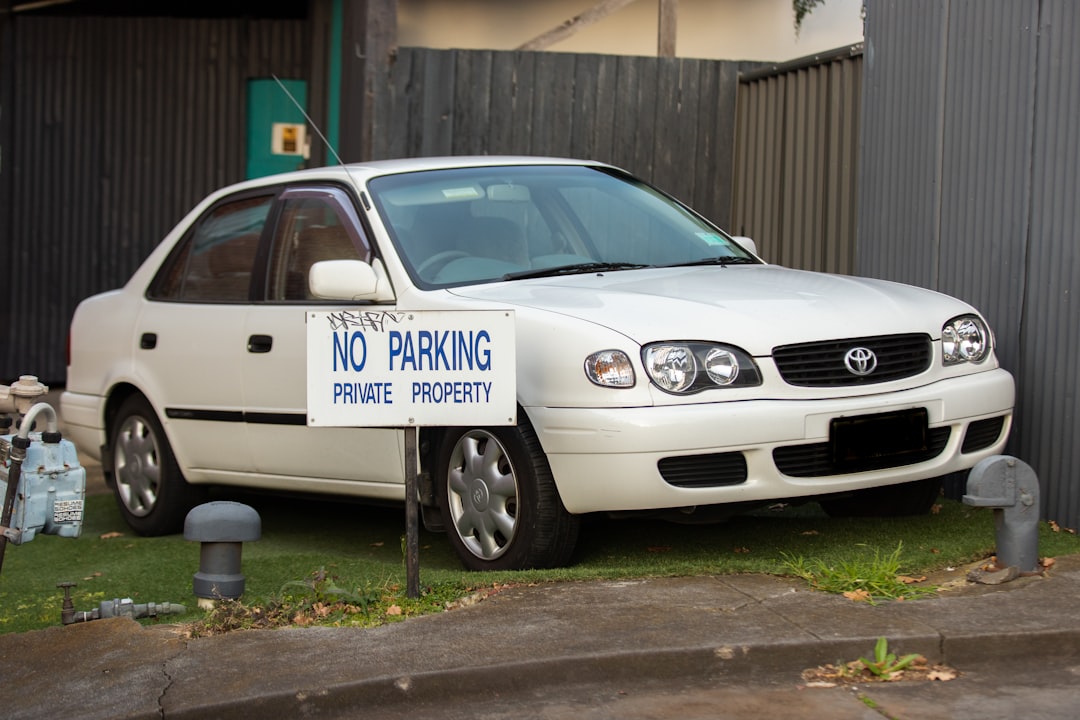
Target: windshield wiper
{"points": [[573, 269], [722, 260]]}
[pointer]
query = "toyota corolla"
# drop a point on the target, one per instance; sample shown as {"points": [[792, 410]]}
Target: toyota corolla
{"points": [[661, 365]]}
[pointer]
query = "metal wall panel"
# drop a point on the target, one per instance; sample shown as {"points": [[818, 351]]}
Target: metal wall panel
{"points": [[901, 140], [969, 180], [121, 126], [668, 120], [796, 158], [1049, 339]]}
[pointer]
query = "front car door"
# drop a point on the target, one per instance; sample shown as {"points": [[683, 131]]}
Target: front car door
{"points": [[313, 223]]}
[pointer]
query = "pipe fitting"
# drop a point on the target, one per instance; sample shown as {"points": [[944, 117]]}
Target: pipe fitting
{"points": [[222, 527], [1009, 486]]}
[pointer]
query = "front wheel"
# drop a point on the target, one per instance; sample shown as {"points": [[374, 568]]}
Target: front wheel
{"points": [[150, 491], [499, 502]]}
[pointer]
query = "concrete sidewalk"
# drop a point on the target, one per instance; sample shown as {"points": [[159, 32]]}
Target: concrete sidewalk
{"points": [[720, 630]]}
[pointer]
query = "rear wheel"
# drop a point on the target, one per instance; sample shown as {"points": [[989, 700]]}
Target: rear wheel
{"points": [[499, 502], [911, 498], [150, 491]]}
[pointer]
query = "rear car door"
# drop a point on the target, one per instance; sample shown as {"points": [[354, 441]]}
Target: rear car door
{"points": [[190, 335]]}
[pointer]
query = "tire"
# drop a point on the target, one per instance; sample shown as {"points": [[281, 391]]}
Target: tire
{"points": [[499, 502], [150, 491], [905, 499]]}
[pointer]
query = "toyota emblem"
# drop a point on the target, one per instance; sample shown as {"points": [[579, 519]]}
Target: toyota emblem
{"points": [[860, 361]]}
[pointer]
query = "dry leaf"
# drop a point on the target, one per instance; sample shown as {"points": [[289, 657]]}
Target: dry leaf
{"points": [[908, 580], [935, 551], [1047, 563], [857, 595], [378, 544], [110, 535], [741, 550], [810, 532], [935, 509], [941, 673], [393, 610], [1054, 526]]}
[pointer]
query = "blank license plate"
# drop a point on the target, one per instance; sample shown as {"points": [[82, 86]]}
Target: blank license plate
{"points": [[863, 438]]}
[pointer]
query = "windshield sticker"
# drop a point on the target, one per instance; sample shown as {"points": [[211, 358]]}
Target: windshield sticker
{"points": [[464, 193], [711, 238]]}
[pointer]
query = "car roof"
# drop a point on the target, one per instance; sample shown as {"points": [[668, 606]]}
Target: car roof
{"points": [[359, 173]]}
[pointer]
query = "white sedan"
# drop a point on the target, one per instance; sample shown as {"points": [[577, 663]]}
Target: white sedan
{"points": [[661, 366]]}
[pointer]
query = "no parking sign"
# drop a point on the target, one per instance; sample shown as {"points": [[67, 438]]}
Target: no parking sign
{"points": [[386, 368]]}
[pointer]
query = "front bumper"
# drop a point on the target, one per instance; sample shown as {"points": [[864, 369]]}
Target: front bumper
{"points": [[606, 459]]}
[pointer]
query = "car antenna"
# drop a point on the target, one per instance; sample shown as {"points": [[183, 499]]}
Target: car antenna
{"points": [[310, 121]]}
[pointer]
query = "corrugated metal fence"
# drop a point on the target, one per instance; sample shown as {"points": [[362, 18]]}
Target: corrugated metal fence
{"points": [[797, 149], [122, 125], [970, 177]]}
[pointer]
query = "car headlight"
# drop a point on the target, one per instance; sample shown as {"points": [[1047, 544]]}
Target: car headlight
{"points": [[964, 339], [690, 367], [610, 368]]}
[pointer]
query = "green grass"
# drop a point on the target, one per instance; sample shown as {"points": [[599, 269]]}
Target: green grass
{"points": [[874, 577], [358, 549]]}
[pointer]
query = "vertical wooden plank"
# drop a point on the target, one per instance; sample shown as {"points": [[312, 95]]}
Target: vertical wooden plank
{"points": [[645, 110], [624, 127], [521, 120], [436, 112], [472, 103], [601, 137], [667, 98], [503, 102], [543, 104], [585, 107]]}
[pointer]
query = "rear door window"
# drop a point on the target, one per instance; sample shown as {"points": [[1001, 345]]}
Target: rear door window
{"points": [[214, 262]]}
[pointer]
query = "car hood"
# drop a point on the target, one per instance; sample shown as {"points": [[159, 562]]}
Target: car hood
{"points": [[753, 306]]}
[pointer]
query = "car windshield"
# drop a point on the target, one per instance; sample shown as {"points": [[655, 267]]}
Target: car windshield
{"points": [[474, 225]]}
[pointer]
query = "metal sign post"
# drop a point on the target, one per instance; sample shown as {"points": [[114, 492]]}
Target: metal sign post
{"points": [[382, 368], [412, 516]]}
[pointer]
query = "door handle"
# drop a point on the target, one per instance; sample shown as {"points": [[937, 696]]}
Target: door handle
{"points": [[260, 343]]}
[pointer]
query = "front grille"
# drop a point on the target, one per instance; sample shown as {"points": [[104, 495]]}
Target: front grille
{"points": [[712, 470], [821, 364], [816, 460], [981, 434]]}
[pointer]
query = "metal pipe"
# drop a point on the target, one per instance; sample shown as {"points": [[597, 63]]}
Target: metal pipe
{"points": [[19, 445], [31, 416]]}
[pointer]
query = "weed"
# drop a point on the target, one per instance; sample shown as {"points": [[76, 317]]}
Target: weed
{"points": [[317, 600], [859, 578], [885, 664]]}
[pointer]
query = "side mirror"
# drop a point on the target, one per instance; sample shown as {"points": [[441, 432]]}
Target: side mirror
{"points": [[349, 280], [746, 243]]}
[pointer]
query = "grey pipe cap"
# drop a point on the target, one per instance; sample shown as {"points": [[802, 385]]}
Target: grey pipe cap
{"points": [[222, 521]]}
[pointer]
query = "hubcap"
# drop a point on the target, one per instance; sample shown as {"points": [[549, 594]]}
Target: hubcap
{"points": [[482, 490], [137, 466]]}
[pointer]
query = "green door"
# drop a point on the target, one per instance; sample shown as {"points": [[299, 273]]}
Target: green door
{"points": [[277, 134]]}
